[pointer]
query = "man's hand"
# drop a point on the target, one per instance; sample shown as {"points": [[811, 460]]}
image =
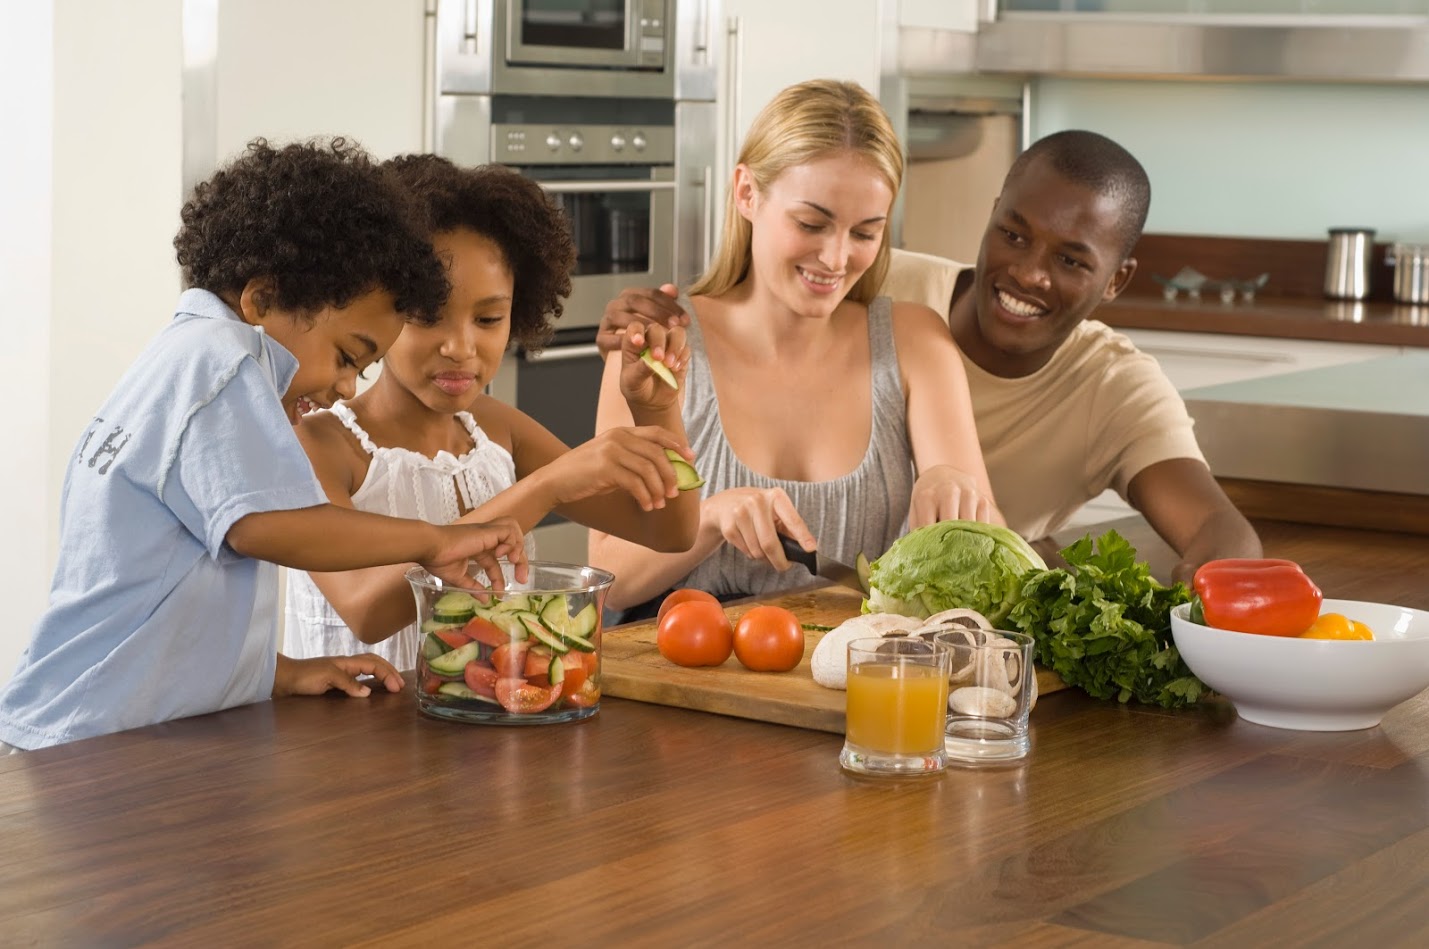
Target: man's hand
{"points": [[643, 305], [316, 676]]}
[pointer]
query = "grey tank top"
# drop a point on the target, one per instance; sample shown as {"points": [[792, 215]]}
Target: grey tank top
{"points": [[862, 511]]}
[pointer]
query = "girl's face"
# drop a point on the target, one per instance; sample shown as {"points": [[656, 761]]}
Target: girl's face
{"points": [[446, 366], [816, 229], [332, 348]]}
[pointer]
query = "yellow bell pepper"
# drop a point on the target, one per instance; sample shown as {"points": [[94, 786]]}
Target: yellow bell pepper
{"points": [[1337, 626]]}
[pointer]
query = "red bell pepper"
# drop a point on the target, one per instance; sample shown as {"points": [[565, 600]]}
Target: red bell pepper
{"points": [[1268, 597]]}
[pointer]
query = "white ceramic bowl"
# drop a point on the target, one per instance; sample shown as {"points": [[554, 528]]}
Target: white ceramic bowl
{"points": [[1313, 684]]}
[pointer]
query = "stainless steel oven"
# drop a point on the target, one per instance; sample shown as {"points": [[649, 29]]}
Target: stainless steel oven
{"points": [[637, 48]]}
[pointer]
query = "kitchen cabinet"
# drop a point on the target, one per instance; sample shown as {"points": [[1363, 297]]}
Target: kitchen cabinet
{"points": [[768, 46], [1193, 360]]}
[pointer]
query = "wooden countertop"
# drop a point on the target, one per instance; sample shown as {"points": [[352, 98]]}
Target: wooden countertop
{"points": [[339, 822], [1286, 318]]}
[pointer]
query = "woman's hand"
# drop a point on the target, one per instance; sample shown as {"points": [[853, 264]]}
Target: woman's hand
{"points": [[625, 459], [751, 519], [642, 388], [486, 544], [944, 493], [316, 676]]}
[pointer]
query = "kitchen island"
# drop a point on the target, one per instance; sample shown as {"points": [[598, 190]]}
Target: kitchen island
{"points": [[332, 821]]}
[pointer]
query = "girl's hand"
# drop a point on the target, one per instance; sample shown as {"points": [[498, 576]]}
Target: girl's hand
{"points": [[944, 493], [632, 460], [751, 519], [486, 544], [316, 676], [642, 388]]}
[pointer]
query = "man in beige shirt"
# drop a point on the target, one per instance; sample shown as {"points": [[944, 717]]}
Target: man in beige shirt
{"points": [[1065, 407]]}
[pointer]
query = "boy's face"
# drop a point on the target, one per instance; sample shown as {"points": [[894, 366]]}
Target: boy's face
{"points": [[1052, 253], [447, 366], [332, 348]]}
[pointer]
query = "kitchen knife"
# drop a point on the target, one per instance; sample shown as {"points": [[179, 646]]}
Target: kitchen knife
{"points": [[821, 566]]}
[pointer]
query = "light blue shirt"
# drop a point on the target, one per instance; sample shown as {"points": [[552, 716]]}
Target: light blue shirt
{"points": [[151, 616]]}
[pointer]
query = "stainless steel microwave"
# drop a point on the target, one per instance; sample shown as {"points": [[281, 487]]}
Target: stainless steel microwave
{"points": [[563, 47]]}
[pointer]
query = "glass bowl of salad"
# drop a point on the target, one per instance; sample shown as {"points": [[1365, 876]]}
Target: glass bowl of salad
{"points": [[527, 655]]}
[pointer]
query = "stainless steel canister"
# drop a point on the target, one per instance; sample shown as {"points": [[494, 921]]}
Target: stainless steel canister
{"points": [[1347, 264], [1411, 272]]}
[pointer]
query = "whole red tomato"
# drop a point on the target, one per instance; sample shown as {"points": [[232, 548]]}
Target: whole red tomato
{"points": [[769, 639], [695, 634], [684, 595]]}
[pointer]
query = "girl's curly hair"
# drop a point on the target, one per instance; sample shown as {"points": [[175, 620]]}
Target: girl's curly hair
{"points": [[514, 213], [319, 218]]}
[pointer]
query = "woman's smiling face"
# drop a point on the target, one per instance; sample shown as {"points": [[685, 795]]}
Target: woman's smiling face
{"points": [[815, 230]]}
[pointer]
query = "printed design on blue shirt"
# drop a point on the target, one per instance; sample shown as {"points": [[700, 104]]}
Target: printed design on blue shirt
{"points": [[108, 449]]}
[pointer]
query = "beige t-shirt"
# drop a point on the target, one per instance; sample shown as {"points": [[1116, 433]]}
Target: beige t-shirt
{"points": [[1094, 417]]}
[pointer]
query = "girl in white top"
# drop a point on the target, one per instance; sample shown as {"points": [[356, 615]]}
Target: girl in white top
{"points": [[424, 441]]}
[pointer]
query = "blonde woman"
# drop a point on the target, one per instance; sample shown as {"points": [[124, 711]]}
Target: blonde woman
{"points": [[814, 409]]}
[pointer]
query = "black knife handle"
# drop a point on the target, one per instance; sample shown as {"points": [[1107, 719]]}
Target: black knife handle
{"points": [[797, 554]]}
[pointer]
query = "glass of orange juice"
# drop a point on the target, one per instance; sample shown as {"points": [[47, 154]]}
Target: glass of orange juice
{"points": [[897, 706]]}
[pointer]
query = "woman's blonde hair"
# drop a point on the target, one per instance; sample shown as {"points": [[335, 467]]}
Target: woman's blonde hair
{"points": [[804, 123]]}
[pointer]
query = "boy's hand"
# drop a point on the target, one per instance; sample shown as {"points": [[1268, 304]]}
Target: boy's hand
{"points": [[486, 544], [639, 305], [632, 460], [316, 676], [642, 388]]}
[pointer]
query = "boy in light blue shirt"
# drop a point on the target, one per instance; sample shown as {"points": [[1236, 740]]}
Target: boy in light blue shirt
{"points": [[189, 485]]}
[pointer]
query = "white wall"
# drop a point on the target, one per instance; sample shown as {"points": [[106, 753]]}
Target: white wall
{"points": [[90, 205], [291, 70], [1285, 160], [26, 92]]}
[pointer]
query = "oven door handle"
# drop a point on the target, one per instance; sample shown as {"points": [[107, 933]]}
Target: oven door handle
{"points": [[582, 351], [582, 187]]}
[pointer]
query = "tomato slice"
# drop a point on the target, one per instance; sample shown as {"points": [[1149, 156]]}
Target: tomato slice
{"points": [[431, 682], [454, 638], [520, 697], [586, 696], [509, 659], [486, 632], [480, 677], [538, 665]]}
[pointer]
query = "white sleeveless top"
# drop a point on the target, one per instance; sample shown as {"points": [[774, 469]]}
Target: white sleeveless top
{"points": [[400, 483]]}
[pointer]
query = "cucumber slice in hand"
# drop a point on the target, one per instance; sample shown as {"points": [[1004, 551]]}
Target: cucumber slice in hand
{"points": [[659, 368], [686, 477]]}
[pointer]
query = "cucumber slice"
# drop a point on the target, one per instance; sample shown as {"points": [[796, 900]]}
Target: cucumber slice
{"points": [[659, 368], [861, 565], [686, 477], [510, 624], [514, 603], [432, 647], [431, 625], [454, 606], [578, 643], [556, 671], [583, 624], [460, 690], [541, 634], [556, 614], [453, 662]]}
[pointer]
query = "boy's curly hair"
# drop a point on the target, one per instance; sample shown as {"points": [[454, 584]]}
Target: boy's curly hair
{"points": [[514, 213], [319, 218]]}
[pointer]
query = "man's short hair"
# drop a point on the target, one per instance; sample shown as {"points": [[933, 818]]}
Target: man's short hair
{"points": [[1098, 163]]}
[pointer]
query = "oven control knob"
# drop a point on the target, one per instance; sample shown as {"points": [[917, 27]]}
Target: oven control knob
{"points": [[639, 142], [617, 142], [553, 142], [575, 141]]}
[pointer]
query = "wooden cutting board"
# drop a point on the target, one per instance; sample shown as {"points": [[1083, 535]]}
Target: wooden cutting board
{"points": [[631, 667]]}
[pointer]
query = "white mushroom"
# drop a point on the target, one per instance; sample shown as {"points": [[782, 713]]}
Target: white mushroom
{"points": [[969, 618], [829, 663], [985, 703]]}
